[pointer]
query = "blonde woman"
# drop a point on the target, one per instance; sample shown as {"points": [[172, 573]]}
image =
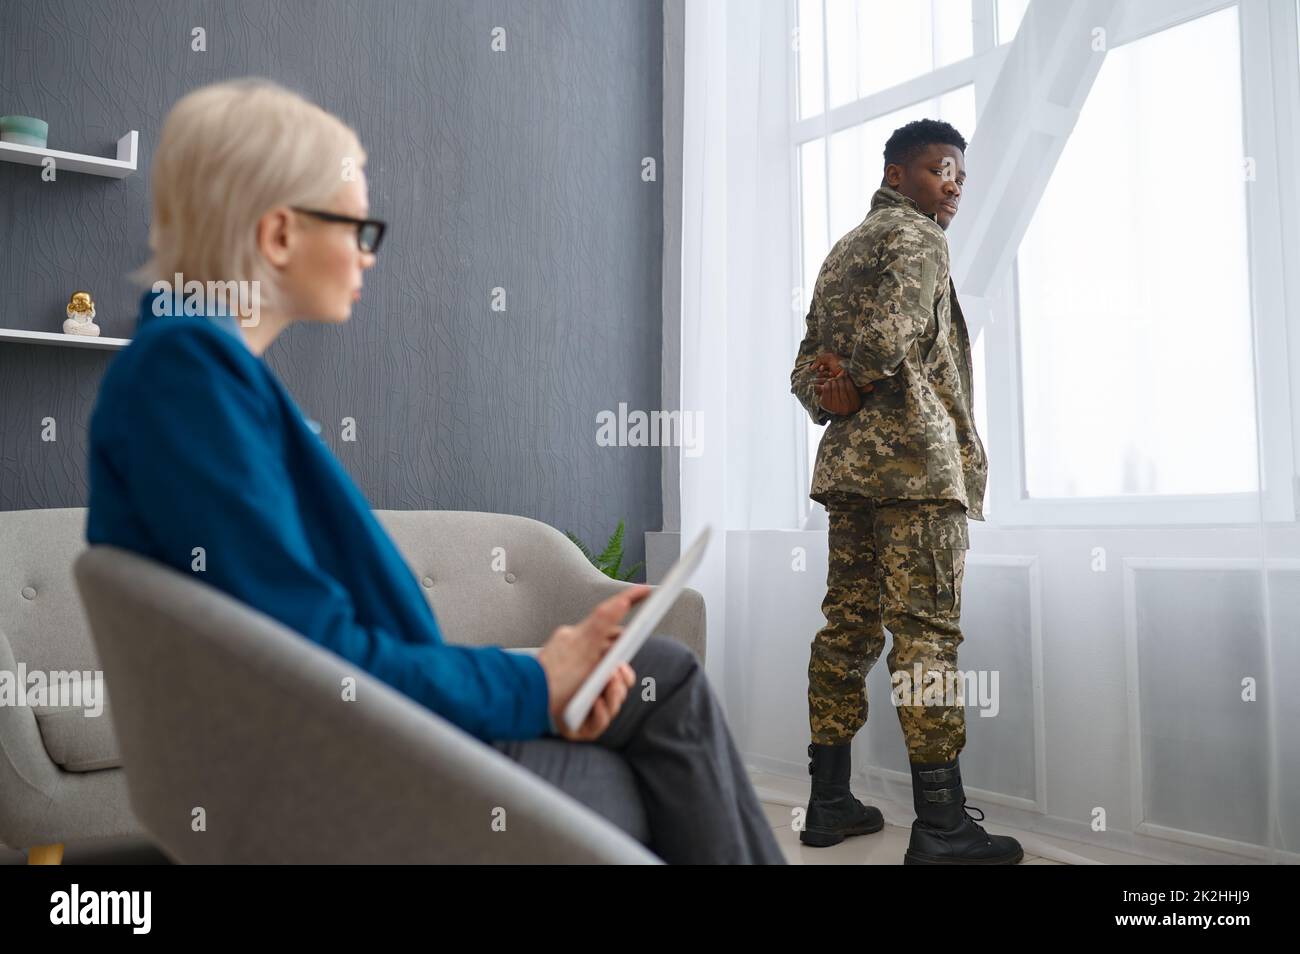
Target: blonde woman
{"points": [[195, 442]]}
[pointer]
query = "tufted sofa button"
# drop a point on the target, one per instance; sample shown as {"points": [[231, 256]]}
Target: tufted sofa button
{"points": [[29, 593], [510, 577], [427, 581]]}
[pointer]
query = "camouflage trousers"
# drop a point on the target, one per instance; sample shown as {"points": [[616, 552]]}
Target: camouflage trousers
{"points": [[896, 564]]}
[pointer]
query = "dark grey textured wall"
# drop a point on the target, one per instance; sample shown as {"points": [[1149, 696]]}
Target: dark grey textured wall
{"points": [[518, 169]]}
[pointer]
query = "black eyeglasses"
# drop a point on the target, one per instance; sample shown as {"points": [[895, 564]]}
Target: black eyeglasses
{"points": [[370, 232]]}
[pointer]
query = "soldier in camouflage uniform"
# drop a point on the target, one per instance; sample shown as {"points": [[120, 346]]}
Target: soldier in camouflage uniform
{"points": [[886, 364]]}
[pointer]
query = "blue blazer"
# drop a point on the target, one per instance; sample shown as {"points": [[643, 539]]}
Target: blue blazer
{"points": [[194, 442]]}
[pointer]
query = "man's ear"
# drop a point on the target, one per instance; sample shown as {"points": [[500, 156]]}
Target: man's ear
{"points": [[273, 236]]}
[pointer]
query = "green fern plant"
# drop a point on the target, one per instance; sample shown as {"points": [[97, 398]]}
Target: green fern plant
{"points": [[610, 561]]}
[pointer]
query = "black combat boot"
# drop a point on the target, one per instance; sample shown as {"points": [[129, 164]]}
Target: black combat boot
{"points": [[944, 833], [833, 812]]}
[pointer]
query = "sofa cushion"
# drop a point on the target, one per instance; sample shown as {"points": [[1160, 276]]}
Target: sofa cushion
{"points": [[77, 742]]}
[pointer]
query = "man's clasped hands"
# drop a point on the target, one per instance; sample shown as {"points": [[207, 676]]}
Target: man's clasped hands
{"points": [[836, 391]]}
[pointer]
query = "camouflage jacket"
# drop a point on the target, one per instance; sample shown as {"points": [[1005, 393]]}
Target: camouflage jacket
{"points": [[885, 303]]}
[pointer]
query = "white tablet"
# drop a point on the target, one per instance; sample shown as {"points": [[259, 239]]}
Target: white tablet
{"points": [[646, 616]]}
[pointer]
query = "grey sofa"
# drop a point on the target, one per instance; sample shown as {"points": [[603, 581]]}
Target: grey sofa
{"points": [[224, 739]]}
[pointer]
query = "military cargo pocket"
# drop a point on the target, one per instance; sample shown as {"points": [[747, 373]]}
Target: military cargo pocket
{"points": [[929, 278], [926, 583], [949, 568], [922, 550], [925, 302], [945, 533]]}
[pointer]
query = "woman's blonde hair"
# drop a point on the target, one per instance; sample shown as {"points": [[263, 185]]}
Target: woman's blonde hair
{"points": [[229, 153]]}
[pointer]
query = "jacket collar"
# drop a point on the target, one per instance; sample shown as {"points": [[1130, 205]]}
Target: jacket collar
{"points": [[887, 196], [155, 305]]}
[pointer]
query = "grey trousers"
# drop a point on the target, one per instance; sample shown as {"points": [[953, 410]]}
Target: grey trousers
{"points": [[666, 770]]}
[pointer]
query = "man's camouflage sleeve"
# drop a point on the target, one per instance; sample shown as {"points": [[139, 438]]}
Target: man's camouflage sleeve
{"points": [[892, 311], [802, 378]]}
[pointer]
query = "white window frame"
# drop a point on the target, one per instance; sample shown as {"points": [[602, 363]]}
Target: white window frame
{"points": [[1270, 59]]}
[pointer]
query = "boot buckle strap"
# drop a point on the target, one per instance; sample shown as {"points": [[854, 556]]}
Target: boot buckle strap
{"points": [[936, 775], [942, 796]]}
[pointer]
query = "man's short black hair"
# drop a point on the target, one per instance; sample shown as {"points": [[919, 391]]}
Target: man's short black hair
{"points": [[909, 140]]}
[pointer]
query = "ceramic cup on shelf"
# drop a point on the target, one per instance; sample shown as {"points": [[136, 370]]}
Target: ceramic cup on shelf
{"points": [[24, 130]]}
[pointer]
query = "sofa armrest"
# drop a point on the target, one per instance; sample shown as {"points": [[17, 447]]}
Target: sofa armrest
{"points": [[685, 621], [505, 580]]}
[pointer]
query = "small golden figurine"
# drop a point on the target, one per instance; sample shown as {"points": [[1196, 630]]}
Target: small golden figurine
{"points": [[81, 316]]}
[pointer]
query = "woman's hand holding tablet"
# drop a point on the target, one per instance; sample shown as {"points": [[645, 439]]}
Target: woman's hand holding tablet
{"points": [[571, 654]]}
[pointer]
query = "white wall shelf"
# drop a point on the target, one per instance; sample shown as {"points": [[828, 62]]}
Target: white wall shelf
{"points": [[127, 153], [58, 338]]}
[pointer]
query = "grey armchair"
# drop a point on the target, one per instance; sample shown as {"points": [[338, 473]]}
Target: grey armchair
{"points": [[237, 748], [61, 778]]}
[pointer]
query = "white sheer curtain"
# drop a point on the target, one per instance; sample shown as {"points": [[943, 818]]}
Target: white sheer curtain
{"points": [[737, 299]]}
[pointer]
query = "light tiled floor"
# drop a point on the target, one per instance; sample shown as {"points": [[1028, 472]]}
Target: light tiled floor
{"points": [[780, 795]]}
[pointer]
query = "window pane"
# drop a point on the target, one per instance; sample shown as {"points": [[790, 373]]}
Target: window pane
{"points": [[841, 55], [815, 244], [874, 44], [1010, 13], [1134, 300], [810, 55], [812, 203]]}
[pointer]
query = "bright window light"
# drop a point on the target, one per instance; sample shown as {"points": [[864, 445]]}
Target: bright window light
{"points": [[1135, 322]]}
